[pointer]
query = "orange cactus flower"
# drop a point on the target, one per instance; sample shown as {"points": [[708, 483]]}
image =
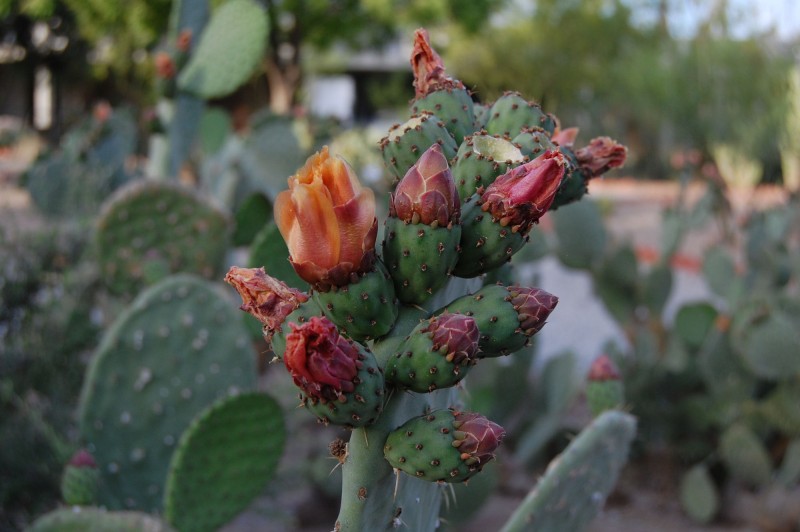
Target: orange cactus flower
{"points": [[328, 222]]}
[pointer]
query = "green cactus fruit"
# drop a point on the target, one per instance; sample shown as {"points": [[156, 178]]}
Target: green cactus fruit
{"points": [[229, 50], [480, 160], [443, 445], [79, 481], [481, 115], [223, 461], [422, 233], [364, 309], [533, 142], [406, 142], [506, 316], [512, 113], [180, 346], [575, 184], [496, 223], [339, 379], [745, 455], [699, 497], [604, 388], [437, 354], [158, 223], [453, 106], [97, 520], [575, 486]]}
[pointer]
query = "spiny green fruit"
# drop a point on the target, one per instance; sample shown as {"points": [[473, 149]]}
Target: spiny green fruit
{"points": [[420, 247], [480, 160], [406, 142], [339, 379], [512, 113], [443, 446], [604, 389], [437, 354], [506, 316], [79, 481], [481, 115], [495, 224], [365, 308], [533, 142], [446, 97]]}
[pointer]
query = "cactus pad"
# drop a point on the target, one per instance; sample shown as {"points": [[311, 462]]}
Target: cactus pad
{"points": [[406, 142], [97, 520], [766, 338], [745, 456], [511, 113], [698, 494], [453, 106], [223, 461], [180, 346], [229, 50], [576, 484], [157, 225]]}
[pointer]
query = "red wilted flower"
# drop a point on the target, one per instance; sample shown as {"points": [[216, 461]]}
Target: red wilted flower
{"points": [[476, 437], [165, 66], [601, 155], [523, 194], [428, 67], [322, 363], [458, 333], [268, 299], [427, 194], [603, 369], [533, 306], [328, 221]]}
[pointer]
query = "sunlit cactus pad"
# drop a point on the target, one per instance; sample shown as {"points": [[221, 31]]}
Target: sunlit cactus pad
{"points": [[80, 519], [223, 461], [151, 229], [576, 484], [179, 347]]}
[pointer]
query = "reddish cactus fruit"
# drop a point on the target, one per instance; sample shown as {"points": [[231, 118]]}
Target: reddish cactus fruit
{"points": [[604, 389], [428, 67], [322, 363], [266, 298], [533, 306], [601, 155], [427, 194], [476, 437], [82, 458], [457, 333], [522, 195], [603, 369]]}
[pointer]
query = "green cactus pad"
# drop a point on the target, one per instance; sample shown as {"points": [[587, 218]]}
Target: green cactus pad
{"points": [[269, 250], [745, 456], [252, 215], [453, 106], [362, 406], [480, 160], [698, 493], [365, 309], [419, 368], [604, 395], [780, 408], [693, 323], [155, 224], [485, 244], [97, 520], [767, 340], [419, 258], [423, 448], [230, 49], [512, 113], [533, 142], [406, 142], [581, 235], [179, 346], [574, 488], [223, 461]]}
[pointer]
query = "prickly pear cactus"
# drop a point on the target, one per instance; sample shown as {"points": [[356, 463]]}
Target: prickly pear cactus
{"points": [[96, 520], [406, 142], [158, 227], [576, 484], [223, 461], [177, 348]]}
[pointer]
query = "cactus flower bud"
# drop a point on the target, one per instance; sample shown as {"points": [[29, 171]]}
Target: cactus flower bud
{"points": [[165, 66], [428, 67], [322, 363], [604, 389], [328, 222], [601, 155], [476, 437], [268, 299], [533, 306], [458, 333], [603, 369], [427, 194], [523, 194], [80, 478]]}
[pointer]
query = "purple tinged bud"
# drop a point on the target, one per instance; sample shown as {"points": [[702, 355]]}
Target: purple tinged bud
{"points": [[603, 369], [476, 437], [533, 306], [523, 194], [458, 334], [82, 458], [427, 193]]}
